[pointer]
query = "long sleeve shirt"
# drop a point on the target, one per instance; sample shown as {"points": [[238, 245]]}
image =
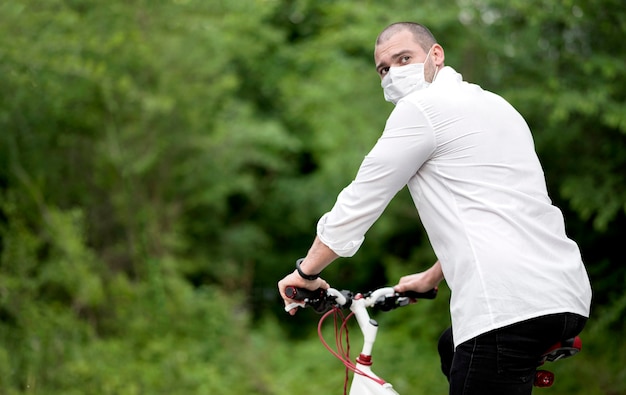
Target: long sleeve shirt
{"points": [[468, 159]]}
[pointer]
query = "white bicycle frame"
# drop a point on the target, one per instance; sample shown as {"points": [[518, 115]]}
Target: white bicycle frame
{"points": [[364, 381]]}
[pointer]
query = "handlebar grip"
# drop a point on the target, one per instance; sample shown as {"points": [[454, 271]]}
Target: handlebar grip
{"points": [[301, 293], [432, 294]]}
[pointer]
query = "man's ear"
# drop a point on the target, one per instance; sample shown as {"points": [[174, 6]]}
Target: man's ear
{"points": [[438, 55]]}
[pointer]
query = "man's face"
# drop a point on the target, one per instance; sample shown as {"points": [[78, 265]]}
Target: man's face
{"points": [[399, 50]]}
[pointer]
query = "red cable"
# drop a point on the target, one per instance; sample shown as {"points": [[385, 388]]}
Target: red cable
{"points": [[342, 354]]}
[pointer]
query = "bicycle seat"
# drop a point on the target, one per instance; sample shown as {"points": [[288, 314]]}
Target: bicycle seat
{"points": [[563, 349]]}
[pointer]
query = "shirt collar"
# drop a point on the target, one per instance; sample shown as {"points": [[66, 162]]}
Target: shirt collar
{"points": [[447, 75]]}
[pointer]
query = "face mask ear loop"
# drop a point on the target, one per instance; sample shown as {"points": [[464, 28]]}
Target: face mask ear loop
{"points": [[436, 68]]}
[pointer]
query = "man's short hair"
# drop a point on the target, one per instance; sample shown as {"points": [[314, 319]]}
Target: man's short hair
{"points": [[422, 35]]}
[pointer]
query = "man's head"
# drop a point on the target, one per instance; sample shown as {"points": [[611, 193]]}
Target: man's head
{"points": [[405, 43]]}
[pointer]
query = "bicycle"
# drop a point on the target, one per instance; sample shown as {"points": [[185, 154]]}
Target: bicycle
{"points": [[365, 381]]}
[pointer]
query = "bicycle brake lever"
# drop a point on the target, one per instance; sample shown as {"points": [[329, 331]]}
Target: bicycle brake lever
{"points": [[388, 303], [292, 306], [403, 301]]}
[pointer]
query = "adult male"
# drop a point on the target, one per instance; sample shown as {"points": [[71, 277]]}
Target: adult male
{"points": [[467, 156]]}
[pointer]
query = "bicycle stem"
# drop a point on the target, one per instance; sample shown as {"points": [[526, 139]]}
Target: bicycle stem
{"points": [[369, 327]]}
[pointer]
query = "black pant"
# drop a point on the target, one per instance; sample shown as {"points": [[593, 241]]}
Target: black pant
{"points": [[504, 360]]}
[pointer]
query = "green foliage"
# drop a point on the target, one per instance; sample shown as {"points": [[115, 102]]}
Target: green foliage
{"points": [[68, 326], [163, 163]]}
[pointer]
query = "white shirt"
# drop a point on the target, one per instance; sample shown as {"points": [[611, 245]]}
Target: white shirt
{"points": [[468, 159]]}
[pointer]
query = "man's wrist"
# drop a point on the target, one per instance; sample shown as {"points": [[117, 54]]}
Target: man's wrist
{"points": [[309, 277]]}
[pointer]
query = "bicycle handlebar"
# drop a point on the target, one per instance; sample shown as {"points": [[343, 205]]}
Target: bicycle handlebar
{"points": [[385, 299]]}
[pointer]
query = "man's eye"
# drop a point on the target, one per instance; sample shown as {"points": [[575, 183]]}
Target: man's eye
{"points": [[405, 59], [384, 70]]}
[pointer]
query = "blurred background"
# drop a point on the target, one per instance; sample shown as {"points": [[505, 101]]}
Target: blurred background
{"points": [[164, 163]]}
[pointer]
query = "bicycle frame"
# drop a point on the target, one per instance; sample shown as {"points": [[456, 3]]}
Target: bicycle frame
{"points": [[362, 385]]}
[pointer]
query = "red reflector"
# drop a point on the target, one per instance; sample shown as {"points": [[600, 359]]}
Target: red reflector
{"points": [[543, 378]]}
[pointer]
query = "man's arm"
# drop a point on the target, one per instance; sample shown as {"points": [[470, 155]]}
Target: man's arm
{"points": [[406, 143], [318, 257]]}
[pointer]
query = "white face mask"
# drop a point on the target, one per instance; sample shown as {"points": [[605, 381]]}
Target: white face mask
{"points": [[402, 80]]}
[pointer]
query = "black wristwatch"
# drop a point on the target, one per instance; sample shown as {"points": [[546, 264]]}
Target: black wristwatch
{"points": [[309, 277]]}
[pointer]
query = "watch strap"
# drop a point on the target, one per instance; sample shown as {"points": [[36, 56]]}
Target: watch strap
{"points": [[305, 276]]}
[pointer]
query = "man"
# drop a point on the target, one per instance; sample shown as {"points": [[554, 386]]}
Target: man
{"points": [[467, 156]]}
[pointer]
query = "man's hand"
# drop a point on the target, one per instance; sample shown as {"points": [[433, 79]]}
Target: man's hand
{"points": [[294, 280], [421, 282], [414, 282]]}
